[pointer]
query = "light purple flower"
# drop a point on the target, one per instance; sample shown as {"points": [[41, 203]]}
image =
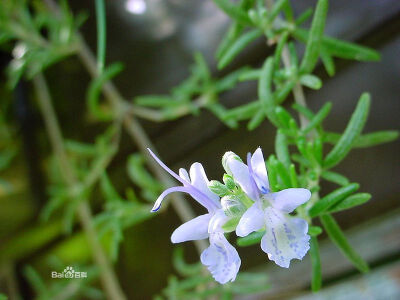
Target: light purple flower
{"points": [[221, 258], [286, 237]]}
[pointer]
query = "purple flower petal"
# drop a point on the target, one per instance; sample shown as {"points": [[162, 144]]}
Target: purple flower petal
{"points": [[221, 259], [195, 229], [260, 173], [287, 200], [252, 220], [286, 237]]}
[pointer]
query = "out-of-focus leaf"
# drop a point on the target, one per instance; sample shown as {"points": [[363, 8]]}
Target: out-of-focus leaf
{"points": [[238, 46], [281, 148], [365, 140], [338, 48], [264, 90], [234, 11], [335, 178], [316, 275], [311, 81], [315, 37], [338, 237]]}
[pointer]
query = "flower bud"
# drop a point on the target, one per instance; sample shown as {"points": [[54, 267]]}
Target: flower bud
{"points": [[232, 206], [227, 158]]}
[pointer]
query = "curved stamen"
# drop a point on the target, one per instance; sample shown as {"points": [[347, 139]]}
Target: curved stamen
{"points": [[208, 203]]}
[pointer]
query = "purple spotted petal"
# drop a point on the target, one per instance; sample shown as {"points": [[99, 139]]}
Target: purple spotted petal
{"points": [[195, 229], [221, 259], [260, 174], [287, 200], [252, 220], [286, 237]]}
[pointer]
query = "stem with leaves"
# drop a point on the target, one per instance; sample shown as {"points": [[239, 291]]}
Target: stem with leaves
{"points": [[107, 275]]}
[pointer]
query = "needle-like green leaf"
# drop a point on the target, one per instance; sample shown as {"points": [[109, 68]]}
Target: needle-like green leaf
{"points": [[338, 237], [351, 133], [314, 39], [332, 198]]}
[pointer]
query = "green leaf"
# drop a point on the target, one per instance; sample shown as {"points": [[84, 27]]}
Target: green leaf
{"points": [[316, 275], [256, 120], [251, 239], [278, 6], [349, 202], [218, 188], [238, 46], [101, 34], [281, 93], [340, 48], [293, 176], [156, 101], [319, 117], [264, 90], [314, 230], [318, 150], [335, 178], [328, 62], [229, 182], [231, 224], [231, 35], [279, 49], [108, 189], [250, 75], [338, 237], [332, 198], [314, 39], [303, 110], [366, 140], [281, 148], [304, 16], [283, 173], [283, 117], [243, 112], [94, 92], [311, 81], [229, 81], [233, 11], [352, 131]]}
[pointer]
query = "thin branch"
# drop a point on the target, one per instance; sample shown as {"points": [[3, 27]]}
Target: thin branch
{"points": [[107, 275], [139, 137]]}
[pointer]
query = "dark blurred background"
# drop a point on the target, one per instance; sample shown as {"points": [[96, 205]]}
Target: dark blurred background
{"points": [[155, 40]]}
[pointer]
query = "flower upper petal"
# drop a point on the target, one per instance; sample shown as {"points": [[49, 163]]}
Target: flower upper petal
{"points": [[221, 258], [252, 220], [200, 181], [195, 229], [287, 200], [260, 173], [285, 238], [241, 175]]}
